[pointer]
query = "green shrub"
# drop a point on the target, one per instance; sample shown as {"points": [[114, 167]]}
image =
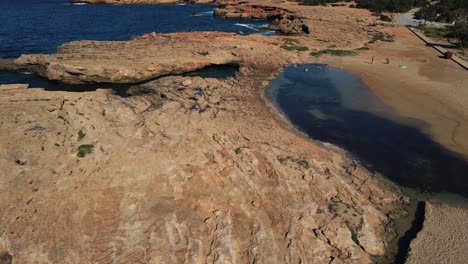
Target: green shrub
{"points": [[382, 37], [84, 150], [303, 163], [295, 48], [333, 52], [81, 135], [385, 18], [355, 238], [292, 45], [434, 32]]}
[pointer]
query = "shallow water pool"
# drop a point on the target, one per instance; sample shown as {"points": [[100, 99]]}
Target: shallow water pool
{"points": [[332, 105]]}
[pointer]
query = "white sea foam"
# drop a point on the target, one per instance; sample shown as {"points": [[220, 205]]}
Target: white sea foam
{"points": [[251, 26], [267, 33], [79, 4], [206, 13], [246, 26]]}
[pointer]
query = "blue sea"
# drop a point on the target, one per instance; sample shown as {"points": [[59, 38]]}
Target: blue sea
{"points": [[40, 26]]}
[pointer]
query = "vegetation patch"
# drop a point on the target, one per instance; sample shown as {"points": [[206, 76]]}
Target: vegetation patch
{"points": [[382, 37], [434, 32], [63, 118], [333, 52], [373, 5], [39, 99], [363, 48], [303, 163], [81, 135], [293, 45], [355, 231], [385, 18], [354, 237], [239, 149], [84, 150]]}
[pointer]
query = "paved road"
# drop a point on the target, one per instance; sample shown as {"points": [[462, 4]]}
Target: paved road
{"points": [[407, 19]]}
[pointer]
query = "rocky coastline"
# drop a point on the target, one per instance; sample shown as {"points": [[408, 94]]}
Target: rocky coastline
{"points": [[283, 20], [211, 174], [187, 169], [139, 1]]}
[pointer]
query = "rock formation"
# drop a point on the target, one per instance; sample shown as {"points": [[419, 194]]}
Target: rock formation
{"points": [[139, 59], [139, 1], [283, 20], [186, 169], [183, 171]]}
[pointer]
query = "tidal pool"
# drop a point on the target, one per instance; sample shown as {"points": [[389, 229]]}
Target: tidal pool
{"points": [[34, 81], [332, 105]]}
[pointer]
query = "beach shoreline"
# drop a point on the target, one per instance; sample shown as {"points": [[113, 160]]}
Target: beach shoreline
{"points": [[279, 162]]}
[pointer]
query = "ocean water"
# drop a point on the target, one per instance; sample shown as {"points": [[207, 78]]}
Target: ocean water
{"points": [[34, 81], [332, 105], [40, 26]]}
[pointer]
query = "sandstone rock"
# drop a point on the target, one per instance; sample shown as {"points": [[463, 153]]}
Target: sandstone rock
{"points": [[143, 58], [197, 171], [186, 82], [206, 172], [15, 86], [284, 21]]}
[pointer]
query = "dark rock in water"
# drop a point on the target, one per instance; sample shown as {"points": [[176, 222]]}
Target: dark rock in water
{"points": [[284, 21]]}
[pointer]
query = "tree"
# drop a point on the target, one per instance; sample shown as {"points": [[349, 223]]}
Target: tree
{"points": [[459, 30]]}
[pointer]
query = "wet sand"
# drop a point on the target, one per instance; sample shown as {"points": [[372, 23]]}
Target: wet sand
{"points": [[443, 238], [435, 91], [431, 89]]}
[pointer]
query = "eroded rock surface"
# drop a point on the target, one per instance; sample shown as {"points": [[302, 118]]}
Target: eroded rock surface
{"points": [[283, 20], [146, 57], [186, 170]]}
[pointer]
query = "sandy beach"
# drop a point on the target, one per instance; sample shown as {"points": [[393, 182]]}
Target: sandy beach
{"points": [[431, 89], [443, 238]]}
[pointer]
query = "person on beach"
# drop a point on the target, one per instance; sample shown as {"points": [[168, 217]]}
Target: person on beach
{"points": [[387, 61], [372, 60]]}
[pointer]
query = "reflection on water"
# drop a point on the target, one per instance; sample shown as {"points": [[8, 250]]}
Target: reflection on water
{"points": [[334, 106], [34, 81], [215, 71]]}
